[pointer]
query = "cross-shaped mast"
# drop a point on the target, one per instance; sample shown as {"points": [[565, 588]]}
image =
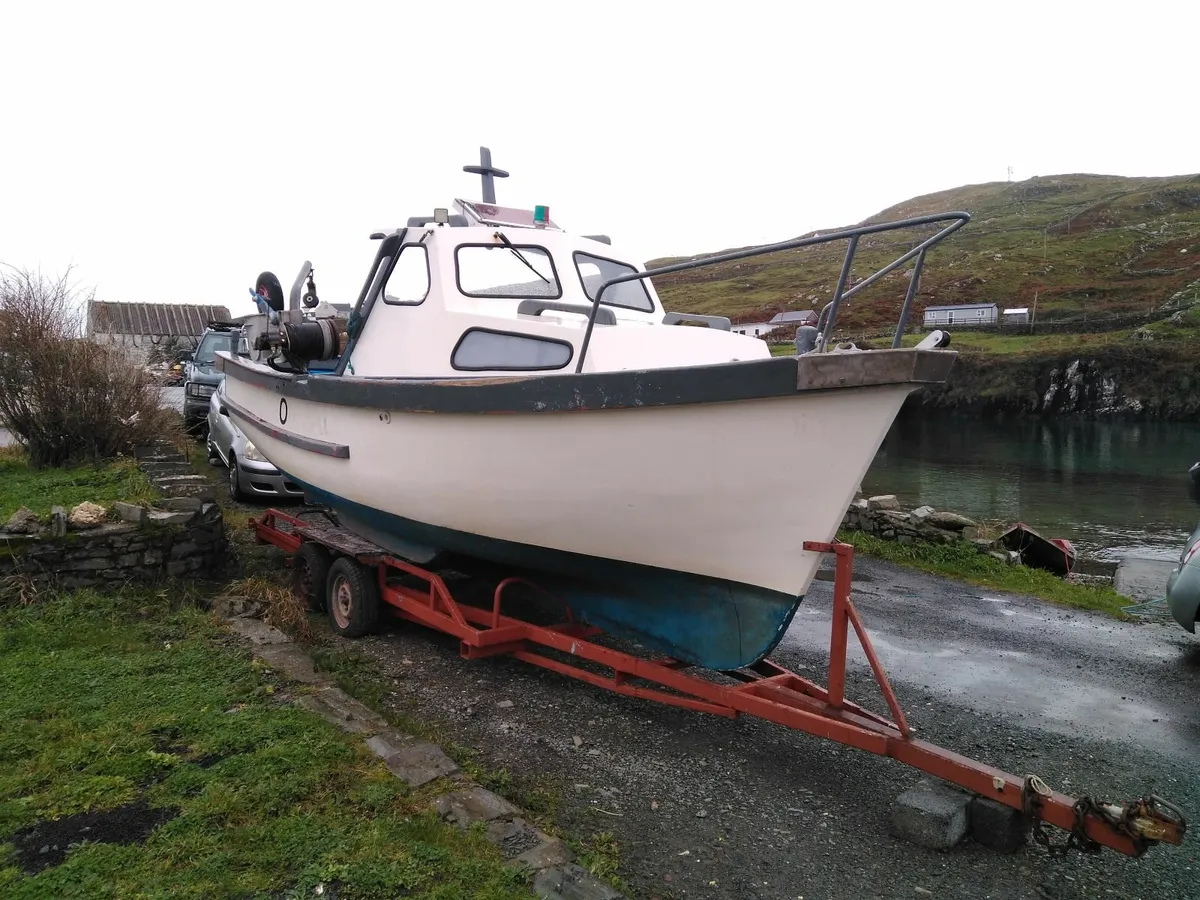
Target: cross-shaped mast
{"points": [[488, 173]]}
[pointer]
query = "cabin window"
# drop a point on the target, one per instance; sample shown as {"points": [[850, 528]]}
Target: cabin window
{"points": [[408, 282], [595, 270], [481, 349], [496, 270]]}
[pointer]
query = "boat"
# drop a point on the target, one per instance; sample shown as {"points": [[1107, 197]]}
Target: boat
{"points": [[509, 393], [1056, 555]]}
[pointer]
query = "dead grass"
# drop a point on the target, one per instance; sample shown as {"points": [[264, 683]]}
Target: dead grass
{"points": [[281, 606]]}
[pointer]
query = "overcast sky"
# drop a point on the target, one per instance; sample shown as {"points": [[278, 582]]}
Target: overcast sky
{"points": [[171, 152]]}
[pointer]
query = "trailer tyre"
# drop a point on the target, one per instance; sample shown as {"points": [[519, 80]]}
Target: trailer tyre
{"points": [[353, 598], [310, 574]]}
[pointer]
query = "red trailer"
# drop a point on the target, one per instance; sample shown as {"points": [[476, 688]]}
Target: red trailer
{"points": [[356, 581]]}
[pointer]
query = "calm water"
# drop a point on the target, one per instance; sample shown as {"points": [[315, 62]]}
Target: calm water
{"points": [[1113, 489]]}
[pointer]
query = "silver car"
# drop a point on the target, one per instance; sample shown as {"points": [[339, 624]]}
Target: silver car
{"points": [[250, 473]]}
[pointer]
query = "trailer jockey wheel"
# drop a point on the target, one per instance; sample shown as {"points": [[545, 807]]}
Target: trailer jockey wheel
{"points": [[353, 598], [310, 574]]}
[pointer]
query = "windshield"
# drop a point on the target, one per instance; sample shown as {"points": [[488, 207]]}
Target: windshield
{"points": [[206, 353], [506, 270], [595, 270]]}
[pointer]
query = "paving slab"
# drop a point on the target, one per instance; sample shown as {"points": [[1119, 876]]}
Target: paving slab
{"points": [[474, 804], [572, 882]]}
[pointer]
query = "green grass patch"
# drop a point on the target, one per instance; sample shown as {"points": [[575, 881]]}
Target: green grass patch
{"points": [[109, 700], [963, 562], [41, 489]]}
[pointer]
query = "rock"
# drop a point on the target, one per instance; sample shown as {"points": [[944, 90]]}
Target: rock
{"points": [[883, 501], [130, 512], [58, 521], [1013, 557], [981, 544], [931, 814], [23, 521], [952, 521], [860, 505], [921, 513], [1000, 555], [87, 515], [970, 533], [156, 517], [505, 704]]}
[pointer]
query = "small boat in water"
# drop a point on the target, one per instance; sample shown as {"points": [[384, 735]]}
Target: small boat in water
{"points": [[1056, 555], [507, 392]]}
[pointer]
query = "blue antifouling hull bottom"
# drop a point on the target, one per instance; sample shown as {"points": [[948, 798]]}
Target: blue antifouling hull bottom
{"points": [[707, 622]]}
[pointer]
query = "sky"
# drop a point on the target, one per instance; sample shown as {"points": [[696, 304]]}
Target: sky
{"points": [[170, 152]]}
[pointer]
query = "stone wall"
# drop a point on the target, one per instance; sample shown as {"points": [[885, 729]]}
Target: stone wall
{"points": [[147, 544], [882, 516], [183, 533]]}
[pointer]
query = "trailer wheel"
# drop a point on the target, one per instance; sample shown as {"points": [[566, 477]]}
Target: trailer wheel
{"points": [[353, 598], [310, 575]]}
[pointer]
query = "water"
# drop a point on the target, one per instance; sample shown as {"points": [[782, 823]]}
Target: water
{"points": [[1115, 490]]}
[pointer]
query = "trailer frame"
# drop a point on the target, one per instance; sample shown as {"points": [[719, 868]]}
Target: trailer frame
{"points": [[765, 690]]}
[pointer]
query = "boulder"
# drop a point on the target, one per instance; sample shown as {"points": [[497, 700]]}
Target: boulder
{"points": [[883, 501], [922, 512], [23, 521], [949, 520], [87, 515]]}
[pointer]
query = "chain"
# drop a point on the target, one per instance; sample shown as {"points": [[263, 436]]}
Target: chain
{"points": [[1031, 805]]}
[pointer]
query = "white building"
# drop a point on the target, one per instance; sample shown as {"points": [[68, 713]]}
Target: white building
{"points": [[1015, 316], [964, 314]]}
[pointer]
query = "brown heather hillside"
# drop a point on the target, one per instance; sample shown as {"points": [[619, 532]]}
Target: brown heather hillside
{"points": [[1090, 247]]}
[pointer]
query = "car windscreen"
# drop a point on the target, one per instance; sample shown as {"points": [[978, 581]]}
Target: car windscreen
{"points": [[206, 353]]}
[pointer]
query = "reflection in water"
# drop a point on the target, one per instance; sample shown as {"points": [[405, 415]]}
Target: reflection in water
{"points": [[1114, 489]]}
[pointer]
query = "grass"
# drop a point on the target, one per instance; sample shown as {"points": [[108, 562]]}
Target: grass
{"points": [[1121, 255], [963, 562], [41, 489], [114, 699]]}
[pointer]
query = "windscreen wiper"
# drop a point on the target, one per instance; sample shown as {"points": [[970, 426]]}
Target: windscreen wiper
{"points": [[517, 253]]}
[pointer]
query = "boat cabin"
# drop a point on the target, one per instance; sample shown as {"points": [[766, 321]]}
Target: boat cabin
{"points": [[490, 290]]}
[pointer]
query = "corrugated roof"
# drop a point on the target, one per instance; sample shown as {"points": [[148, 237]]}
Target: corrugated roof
{"points": [[961, 306], [166, 319], [797, 315]]}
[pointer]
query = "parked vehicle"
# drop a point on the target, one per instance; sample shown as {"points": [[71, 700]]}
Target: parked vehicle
{"points": [[250, 473], [1183, 585], [200, 378]]}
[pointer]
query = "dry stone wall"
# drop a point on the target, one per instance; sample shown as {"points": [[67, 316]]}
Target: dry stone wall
{"points": [[182, 534], [882, 516]]}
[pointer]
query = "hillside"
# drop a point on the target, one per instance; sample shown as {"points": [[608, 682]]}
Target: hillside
{"points": [[1091, 247]]}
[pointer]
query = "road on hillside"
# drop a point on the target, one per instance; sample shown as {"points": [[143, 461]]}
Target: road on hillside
{"points": [[744, 810]]}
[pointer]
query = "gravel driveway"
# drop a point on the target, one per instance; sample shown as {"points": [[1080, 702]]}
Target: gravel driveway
{"points": [[707, 807]]}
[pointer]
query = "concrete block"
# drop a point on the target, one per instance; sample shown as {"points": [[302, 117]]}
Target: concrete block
{"points": [[572, 882], [997, 826], [931, 814], [474, 804]]}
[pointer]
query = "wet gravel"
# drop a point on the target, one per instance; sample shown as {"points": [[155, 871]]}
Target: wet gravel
{"points": [[709, 807]]}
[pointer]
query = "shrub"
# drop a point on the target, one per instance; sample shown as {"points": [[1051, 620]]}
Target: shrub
{"points": [[63, 397]]}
